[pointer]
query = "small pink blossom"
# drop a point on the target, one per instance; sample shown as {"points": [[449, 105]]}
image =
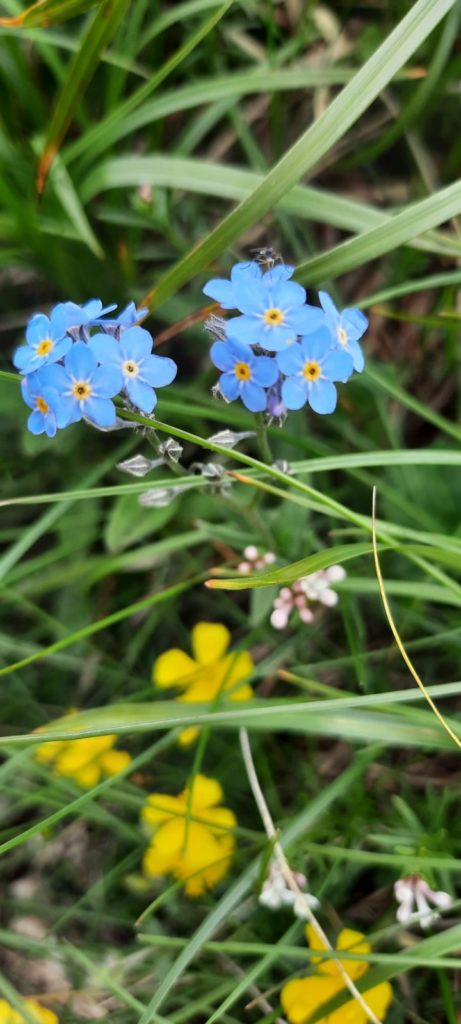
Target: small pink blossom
{"points": [[254, 560], [307, 589], [414, 896]]}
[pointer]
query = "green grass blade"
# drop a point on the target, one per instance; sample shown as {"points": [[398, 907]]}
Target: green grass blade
{"points": [[354, 99], [82, 66], [49, 12]]}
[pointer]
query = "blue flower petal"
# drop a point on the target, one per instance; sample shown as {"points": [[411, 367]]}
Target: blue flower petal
{"points": [[68, 411], [158, 371], [54, 375], [80, 362], [129, 315], [307, 319], [358, 358], [141, 394], [250, 270], [277, 274], [37, 329], [136, 343], [240, 352], [253, 397], [36, 422], [322, 396], [294, 392], [221, 355], [337, 365], [328, 306], [107, 381], [221, 291], [316, 345], [291, 359], [105, 348], [25, 359], [230, 386], [354, 322], [264, 371], [252, 297], [287, 295], [246, 329], [100, 411], [60, 349]]}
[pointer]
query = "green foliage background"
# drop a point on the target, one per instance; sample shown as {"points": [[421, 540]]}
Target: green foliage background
{"points": [[143, 147]]}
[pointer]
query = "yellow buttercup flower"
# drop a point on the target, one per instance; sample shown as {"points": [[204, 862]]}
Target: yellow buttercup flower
{"points": [[8, 1015], [210, 672], [302, 997], [192, 838], [86, 760]]}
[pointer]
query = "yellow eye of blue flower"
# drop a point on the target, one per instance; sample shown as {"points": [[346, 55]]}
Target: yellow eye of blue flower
{"points": [[81, 389], [44, 346], [242, 371], [130, 368], [274, 317], [311, 370]]}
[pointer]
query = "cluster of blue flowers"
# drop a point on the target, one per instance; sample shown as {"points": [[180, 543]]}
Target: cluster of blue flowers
{"points": [[78, 359], [281, 352]]}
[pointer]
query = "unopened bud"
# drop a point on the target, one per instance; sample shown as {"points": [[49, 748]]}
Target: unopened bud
{"points": [[229, 438], [171, 449], [160, 497], [138, 465]]}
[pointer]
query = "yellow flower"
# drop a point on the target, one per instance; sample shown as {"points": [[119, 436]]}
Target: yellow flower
{"points": [[301, 998], [85, 760], [210, 672], [192, 836], [10, 1016]]}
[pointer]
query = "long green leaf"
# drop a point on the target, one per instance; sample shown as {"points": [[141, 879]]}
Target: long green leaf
{"points": [[354, 99], [49, 12], [417, 218], [212, 179], [83, 64]]}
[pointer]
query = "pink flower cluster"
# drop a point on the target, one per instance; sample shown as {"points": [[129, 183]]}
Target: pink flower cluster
{"points": [[315, 587]]}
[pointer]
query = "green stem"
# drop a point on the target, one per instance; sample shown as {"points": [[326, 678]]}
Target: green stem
{"points": [[261, 434]]}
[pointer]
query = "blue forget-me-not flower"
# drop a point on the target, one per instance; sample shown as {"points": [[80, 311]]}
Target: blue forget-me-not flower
{"points": [[84, 388], [245, 375], [310, 367], [46, 342], [141, 370], [43, 399], [346, 328], [89, 313], [273, 308]]}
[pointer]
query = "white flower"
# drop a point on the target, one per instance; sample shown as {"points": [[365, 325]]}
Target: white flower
{"points": [[309, 588], [253, 560], [413, 890], [276, 894]]}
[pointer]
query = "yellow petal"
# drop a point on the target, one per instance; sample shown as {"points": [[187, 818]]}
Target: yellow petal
{"points": [[222, 817], [238, 666], [166, 848], [210, 641], [46, 753], [160, 807], [301, 997], [44, 1015], [204, 860], [87, 776], [78, 753], [114, 761], [349, 940], [205, 793], [173, 668], [377, 998], [188, 736]]}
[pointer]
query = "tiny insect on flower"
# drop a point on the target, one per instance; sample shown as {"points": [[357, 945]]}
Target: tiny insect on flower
{"points": [[302, 997], [273, 308], [192, 835]]}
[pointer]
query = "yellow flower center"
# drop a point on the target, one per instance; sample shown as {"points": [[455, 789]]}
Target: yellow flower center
{"points": [[81, 390], [42, 406], [311, 370], [242, 371], [44, 346], [274, 317], [130, 368], [342, 336]]}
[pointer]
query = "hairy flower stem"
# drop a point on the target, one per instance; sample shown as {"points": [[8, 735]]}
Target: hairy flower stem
{"points": [[287, 873], [263, 443]]}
